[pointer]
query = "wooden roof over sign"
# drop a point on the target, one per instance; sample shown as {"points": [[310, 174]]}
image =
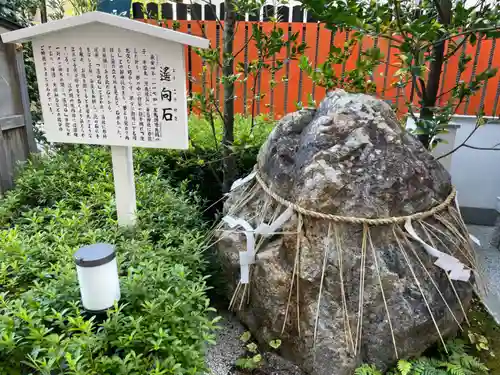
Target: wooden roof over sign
{"points": [[33, 32]]}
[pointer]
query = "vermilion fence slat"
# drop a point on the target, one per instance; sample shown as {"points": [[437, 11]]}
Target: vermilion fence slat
{"points": [[310, 31], [325, 37], [239, 49], [492, 89], [294, 76], [482, 64], [196, 73], [294, 86]]}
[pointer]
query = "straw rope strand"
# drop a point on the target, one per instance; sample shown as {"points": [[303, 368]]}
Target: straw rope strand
{"points": [[352, 219]]}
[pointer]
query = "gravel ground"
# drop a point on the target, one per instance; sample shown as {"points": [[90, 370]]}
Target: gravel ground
{"points": [[489, 265], [222, 356]]}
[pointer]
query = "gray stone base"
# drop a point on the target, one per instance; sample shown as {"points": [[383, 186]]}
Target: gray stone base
{"points": [[479, 216], [488, 287]]}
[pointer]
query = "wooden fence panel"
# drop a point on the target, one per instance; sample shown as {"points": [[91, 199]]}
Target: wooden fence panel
{"points": [[294, 86], [293, 92], [243, 54], [490, 90], [13, 149], [325, 38], [16, 133]]}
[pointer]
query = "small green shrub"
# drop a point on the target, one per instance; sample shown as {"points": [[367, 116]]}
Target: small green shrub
{"points": [[367, 370], [484, 336], [253, 358], [160, 325], [457, 361], [201, 132], [201, 165]]}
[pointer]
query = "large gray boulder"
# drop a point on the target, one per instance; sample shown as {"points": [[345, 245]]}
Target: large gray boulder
{"points": [[348, 157]]}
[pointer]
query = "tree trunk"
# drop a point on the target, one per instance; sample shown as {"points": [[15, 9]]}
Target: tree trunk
{"points": [[435, 71], [229, 161], [43, 11], [432, 87]]}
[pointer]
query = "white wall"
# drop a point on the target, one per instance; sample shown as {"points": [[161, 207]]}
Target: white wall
{"points": [[475, 173]]}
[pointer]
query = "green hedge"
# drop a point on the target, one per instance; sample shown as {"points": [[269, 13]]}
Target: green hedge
{"points": [[65, 201], [200, 167]]}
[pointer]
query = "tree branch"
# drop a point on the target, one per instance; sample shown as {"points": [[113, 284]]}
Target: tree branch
{"points": [[217, 19], [398, 17], [439, 10], [494, 148], [253, 103], [468, 32], [457, 47], [244, 46], [422, 85], [477, 126], [459, 103], [229, 166], [412, 114], [205, 34], [446, 92]]}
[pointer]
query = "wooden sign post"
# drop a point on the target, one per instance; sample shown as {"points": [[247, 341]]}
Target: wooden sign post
{"points": [[109, 80]]}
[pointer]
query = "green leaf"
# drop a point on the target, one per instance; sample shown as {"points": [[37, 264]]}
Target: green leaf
{"points": [[404, 367], [310, 101], [257, 358], [245, 363], [305, 65], [245, 336], [275, 344], [252, 347], [473, 39], [472, 337], [367, 370]]}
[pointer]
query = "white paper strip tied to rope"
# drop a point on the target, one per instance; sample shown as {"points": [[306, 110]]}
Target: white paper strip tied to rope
{"points": [[450, 264], [475, 239], [248, 257], [456, 269], [269, 229], [242, 181]]}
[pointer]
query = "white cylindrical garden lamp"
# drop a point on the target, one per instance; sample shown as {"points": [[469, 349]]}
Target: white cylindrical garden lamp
{"points": [[98, 276]]}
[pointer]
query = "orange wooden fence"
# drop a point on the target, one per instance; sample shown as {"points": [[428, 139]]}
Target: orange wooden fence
{"points": [[283, 98]]}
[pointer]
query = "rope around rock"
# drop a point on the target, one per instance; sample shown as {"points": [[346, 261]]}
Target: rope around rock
{"points": [[352, 219]]}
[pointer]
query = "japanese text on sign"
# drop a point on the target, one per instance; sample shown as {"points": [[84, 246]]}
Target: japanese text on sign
{"points": [[117, 95]]}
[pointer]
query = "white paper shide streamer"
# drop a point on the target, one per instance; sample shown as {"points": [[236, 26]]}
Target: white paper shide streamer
{"points": [[242, 181], [456, 269], [248, 257]]}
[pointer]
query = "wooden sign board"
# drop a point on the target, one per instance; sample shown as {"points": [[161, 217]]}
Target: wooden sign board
{"points": [[109, 80], [121, 90]]}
